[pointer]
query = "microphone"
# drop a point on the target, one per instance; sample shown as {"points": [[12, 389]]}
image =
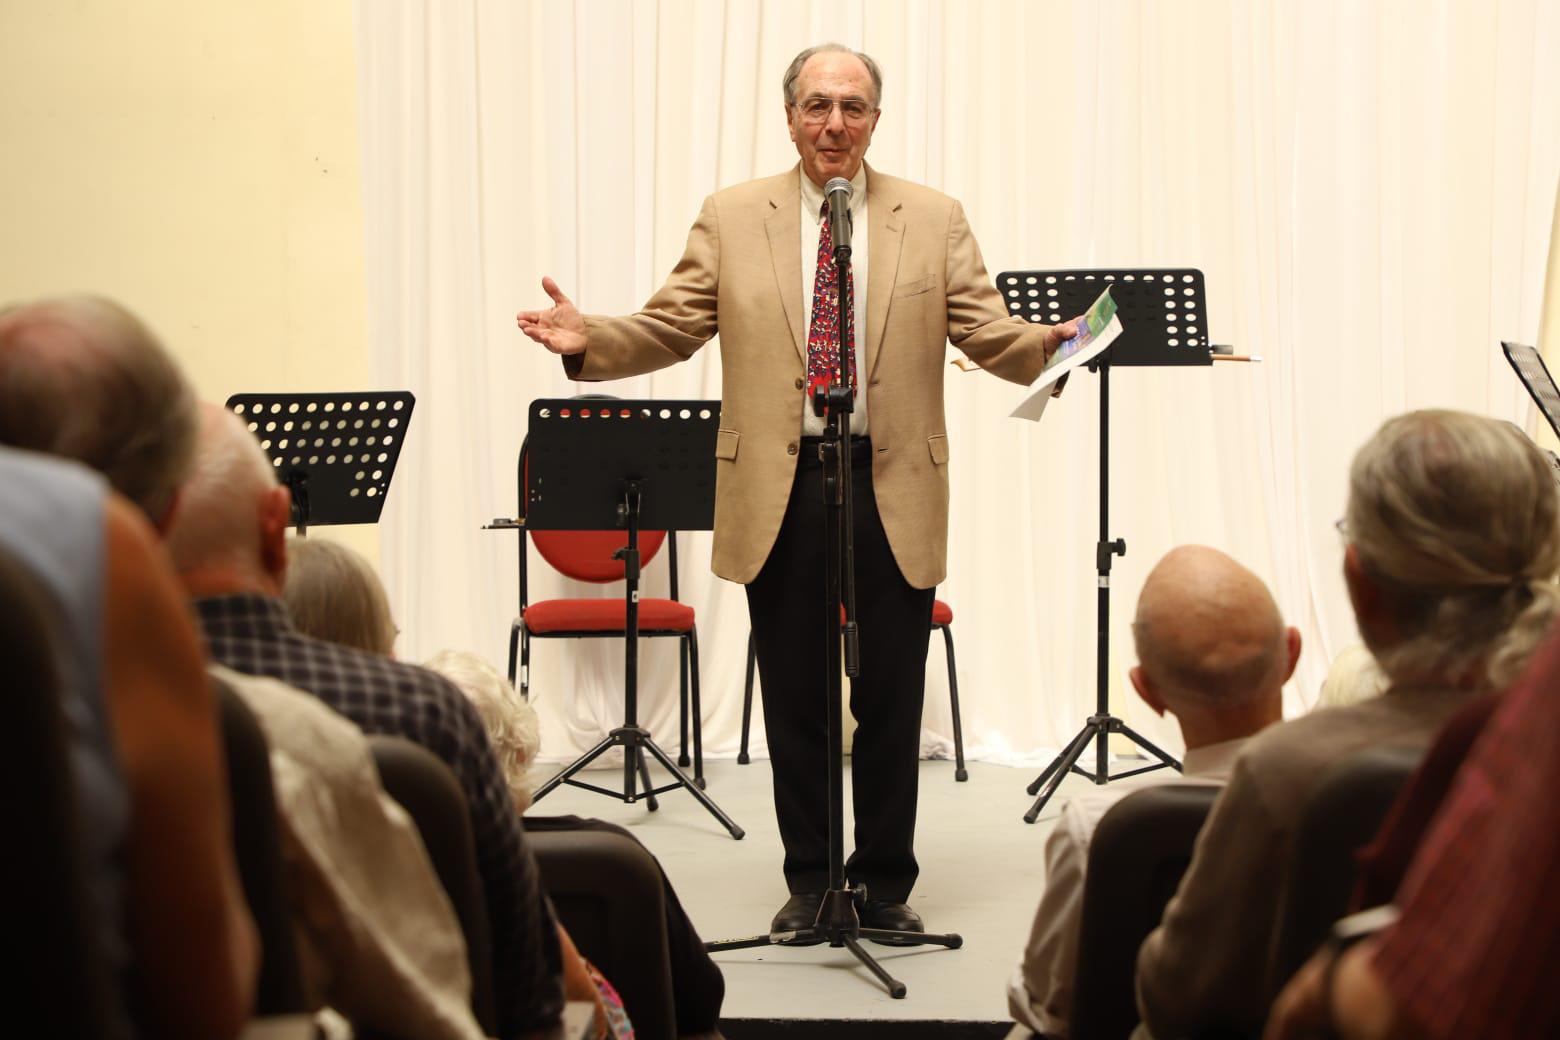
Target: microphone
{"points": [[838, 191]]}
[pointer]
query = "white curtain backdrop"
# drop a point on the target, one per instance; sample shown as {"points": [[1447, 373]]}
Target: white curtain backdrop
{"points": [[1369, 188]]}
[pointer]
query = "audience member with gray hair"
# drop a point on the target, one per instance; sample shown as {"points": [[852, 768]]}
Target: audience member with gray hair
{"points": [[1214, 652], [514, 732], [1453, 530], [83, 378], [332, 593], [1352, 677], [511, 722], [229, 546]]}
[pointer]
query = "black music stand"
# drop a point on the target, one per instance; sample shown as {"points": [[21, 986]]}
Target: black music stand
{"points": [[336, 453], [1164, 319], [609, 464], [1530, 368]]}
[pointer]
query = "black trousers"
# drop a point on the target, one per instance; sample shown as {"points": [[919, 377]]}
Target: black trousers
{"points": [[790, 626]]}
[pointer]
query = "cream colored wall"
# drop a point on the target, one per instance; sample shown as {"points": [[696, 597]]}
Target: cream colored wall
{"points": [[199, 162]]}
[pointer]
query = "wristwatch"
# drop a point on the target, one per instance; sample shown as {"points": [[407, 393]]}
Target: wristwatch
{"points": [[1345, 932]]}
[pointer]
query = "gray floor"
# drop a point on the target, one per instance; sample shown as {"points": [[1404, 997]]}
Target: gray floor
{"points": [[982, 871]]}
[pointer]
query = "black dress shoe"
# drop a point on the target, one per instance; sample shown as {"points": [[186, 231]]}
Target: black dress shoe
{"points": [[800, 911], [891, 917]]}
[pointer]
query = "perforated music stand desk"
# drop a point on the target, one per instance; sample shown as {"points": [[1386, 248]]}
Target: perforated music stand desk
{"points": [[336, 452], [1164, 317], [602, 464], [1530, 368]]}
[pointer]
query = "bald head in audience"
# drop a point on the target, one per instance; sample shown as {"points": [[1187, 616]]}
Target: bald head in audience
{"points": [[1212, 647], [83, 378], [231, 531]]}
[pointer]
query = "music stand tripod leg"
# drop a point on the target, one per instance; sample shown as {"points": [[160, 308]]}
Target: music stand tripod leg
{"points": [[568, 771], [694, 789], [1062, 766], [1165, 757], [1039, 781], [644, 776]]}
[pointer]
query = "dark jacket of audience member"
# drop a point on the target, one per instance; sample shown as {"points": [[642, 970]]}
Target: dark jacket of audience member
{"points": [[1453, 530]]}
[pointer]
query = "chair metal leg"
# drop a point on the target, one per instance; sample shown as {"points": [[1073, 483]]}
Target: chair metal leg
{"points": [[514, 648], [960, 774], [747, 701], [698, 714], [525, 663], [682, 699]]}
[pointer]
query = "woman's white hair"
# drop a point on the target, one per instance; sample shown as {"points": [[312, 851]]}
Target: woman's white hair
{"points": [[1457, 519], [511, 722], [1353, 676]]}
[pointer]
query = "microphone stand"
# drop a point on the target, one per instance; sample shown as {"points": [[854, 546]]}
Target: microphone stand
{"points": [[839, 921]]}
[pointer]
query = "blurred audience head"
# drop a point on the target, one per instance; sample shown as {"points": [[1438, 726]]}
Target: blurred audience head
{"points": [[81, 377], [1453, 529], [230, 533], [1212, 647], [1353, 676], [332, 593], [511, 722]]}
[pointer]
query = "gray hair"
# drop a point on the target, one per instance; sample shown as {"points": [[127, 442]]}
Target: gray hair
{"points": [[1457, 518], [218, 522], [511, 723], [793, 71], [332, 593], [83, 378]]}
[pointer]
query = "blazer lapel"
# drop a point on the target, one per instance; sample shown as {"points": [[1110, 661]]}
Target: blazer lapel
{"points": [[784, 227], [885, 239]]}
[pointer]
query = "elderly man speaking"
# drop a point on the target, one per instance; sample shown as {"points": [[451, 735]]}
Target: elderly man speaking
{"points": [[758, 269]]}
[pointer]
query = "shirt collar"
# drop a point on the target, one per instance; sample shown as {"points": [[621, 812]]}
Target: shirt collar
{"points": [[1215, 760], [246, 611], [812, 195]]}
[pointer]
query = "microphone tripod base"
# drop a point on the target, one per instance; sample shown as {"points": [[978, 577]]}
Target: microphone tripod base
{"points": [[839, 924]]}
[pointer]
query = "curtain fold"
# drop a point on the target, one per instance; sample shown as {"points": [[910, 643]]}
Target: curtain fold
{"points": [[1369, 188]]}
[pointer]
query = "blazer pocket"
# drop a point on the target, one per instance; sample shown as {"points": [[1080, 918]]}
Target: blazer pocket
{"points": [[726, 444], [938, 444], [921, 285]]}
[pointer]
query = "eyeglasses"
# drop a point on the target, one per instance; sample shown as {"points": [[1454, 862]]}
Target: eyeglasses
{"points": [[817, 110]]}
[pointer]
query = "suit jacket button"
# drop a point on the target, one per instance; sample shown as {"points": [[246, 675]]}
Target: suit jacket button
{"points": [[799, 383], [790, 449]]}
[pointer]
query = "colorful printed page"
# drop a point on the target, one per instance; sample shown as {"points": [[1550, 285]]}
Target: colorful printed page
{"points": [[1097, 329]]}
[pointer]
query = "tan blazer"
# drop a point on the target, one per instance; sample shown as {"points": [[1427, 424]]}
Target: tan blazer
{"points": [[741, 276]]}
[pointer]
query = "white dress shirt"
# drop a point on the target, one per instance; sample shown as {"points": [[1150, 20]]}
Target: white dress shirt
{"points": [[812, 227], [1040, 991]]}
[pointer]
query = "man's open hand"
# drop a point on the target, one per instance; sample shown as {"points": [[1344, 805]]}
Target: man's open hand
{"points": [[559, 328]]}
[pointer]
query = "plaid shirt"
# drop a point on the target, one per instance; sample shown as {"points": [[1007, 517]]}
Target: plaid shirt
{"points": [[251, 633], [1475, 950]]}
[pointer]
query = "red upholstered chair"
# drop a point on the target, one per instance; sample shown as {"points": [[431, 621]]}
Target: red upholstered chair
{"points": [[942, 618], [587, 556]]}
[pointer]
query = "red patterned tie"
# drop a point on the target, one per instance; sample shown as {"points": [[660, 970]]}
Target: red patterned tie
{"points": [[824, 335]]}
